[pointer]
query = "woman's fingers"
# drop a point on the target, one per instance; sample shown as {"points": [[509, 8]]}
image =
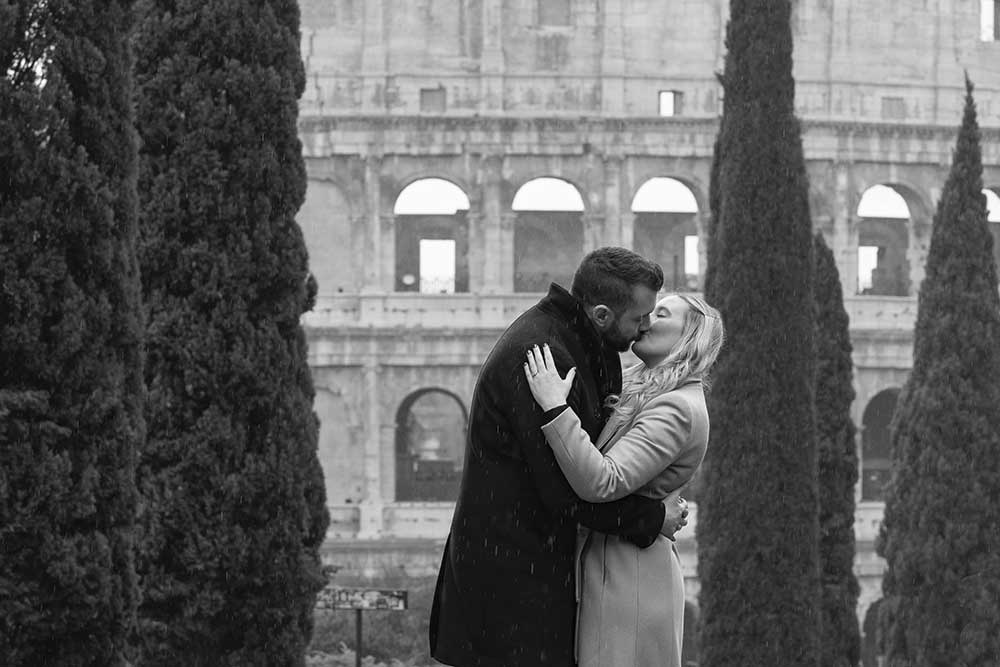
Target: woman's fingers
{"points": [[549, 361], [532, 362], [540, 359]]}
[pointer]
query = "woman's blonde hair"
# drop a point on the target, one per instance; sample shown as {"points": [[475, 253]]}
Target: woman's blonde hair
{"points": [[701, 339]]}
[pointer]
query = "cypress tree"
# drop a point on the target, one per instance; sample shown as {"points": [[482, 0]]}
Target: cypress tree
{"points": [[758, 530], [939, 536], [235, 505], [838, 466], [70, 334]]}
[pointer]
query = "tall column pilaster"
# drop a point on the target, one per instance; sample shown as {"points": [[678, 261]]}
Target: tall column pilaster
{"points": [[612, 200], [387, 251], [844, 240], [919, 241], [594, 224], [701, 222], [371, 521], [505, 250], [492, 250], [476, 248], [372, 281], [627, 222]]}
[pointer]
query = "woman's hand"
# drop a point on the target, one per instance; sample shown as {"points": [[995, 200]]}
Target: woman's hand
{"points": [[550, 390]]}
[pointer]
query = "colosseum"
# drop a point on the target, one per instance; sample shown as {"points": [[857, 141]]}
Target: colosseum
{"points": [[463, 154]]}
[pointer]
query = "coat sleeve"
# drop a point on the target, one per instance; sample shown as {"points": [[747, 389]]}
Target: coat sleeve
{"points": [[652, 442], [633, 518]]}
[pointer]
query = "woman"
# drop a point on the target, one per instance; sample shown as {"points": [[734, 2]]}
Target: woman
{"points": [[631, 600]]}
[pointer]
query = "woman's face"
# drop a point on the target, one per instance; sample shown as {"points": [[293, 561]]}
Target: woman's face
{"points": [[667, 324]]}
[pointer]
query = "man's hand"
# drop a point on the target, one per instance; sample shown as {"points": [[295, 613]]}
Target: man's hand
{"points": [[675, 514]]}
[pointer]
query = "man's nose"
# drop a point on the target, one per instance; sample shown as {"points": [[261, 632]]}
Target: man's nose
{"points": [[645, 324]]}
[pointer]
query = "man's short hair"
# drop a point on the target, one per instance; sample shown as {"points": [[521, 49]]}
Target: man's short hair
{"points": [[607, 276]]}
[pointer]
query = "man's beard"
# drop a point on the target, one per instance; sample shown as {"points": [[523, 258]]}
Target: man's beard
{"points": [[616, 340]]}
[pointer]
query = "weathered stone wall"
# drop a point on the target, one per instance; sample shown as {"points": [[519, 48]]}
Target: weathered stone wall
{"points": [[899, 62]]}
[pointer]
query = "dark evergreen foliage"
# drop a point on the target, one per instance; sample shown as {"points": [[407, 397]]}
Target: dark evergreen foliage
{"points": [[758, 518], [838, 466], [235, 504], [70, 334], [940, 534]]}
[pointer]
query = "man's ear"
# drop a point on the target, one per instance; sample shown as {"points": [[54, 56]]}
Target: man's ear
{"points": [[602, 316]]}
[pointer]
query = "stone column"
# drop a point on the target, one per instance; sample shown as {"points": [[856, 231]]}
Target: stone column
{"points": [[627, 222], [387, 252], [505, 250], [475, 252], [491, 251], [372, 254], [844, 240], [701, 220], [612, 200], [919, 241], [613, 59], [594, 225], [492, 68], [371, 508]]}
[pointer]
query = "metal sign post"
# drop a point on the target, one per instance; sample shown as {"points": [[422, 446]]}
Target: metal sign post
{"points": [[360, 600]]}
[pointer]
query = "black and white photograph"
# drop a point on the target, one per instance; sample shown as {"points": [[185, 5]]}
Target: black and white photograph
{"points": [[500, 333]]}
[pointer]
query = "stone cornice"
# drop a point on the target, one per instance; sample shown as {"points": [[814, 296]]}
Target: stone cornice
{"points": [[419, 136], [309, 124]]}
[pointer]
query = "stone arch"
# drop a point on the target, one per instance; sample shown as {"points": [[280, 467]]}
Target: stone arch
{"points": [[403, 182], [431, 230], [548, 193], [886, 217], [431, 425], [694, 186], [332, 240], [876, 448], [665, 229], [548, 233]]}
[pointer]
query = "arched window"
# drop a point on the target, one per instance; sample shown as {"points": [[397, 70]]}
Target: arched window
{"points": [[432, 238], [666, 231], [548, 234], [883, 238], [993, 216], [876, 448], [430, 446]]}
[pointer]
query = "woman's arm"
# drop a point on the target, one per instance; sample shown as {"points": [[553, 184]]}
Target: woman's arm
{"points": [[652, 442], [654, 439]]}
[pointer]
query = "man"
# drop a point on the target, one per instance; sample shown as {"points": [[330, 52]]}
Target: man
{"points": [[505, 590]]}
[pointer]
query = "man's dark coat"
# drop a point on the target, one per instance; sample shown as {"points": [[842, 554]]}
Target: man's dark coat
{"points": [[505, 590]]}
